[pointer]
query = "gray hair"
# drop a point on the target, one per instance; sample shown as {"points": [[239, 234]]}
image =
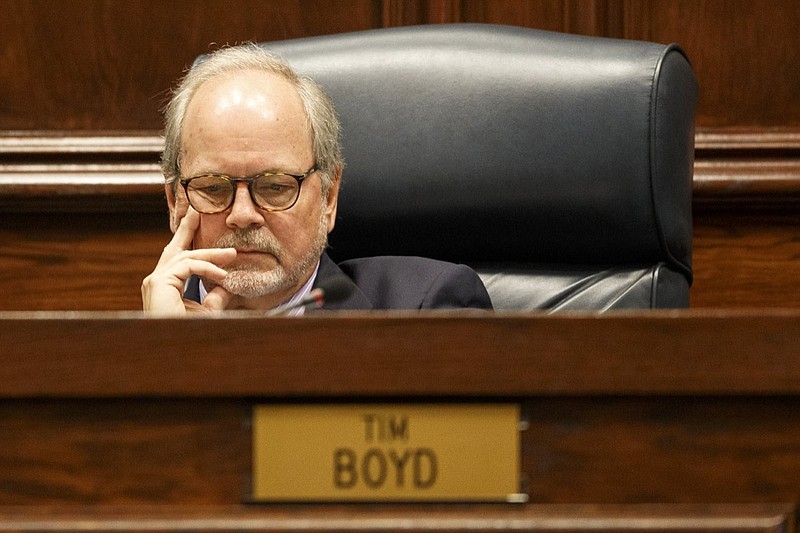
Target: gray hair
{"points": [[320, 113]]}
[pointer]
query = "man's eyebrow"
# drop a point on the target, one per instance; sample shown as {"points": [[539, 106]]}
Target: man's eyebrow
{"points": [[270, 170]]}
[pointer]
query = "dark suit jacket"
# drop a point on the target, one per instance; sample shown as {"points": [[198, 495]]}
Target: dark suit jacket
{"points": [[394, 282]]}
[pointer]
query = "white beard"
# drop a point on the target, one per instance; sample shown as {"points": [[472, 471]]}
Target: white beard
{"points": [[253, 283], [250, 282]]}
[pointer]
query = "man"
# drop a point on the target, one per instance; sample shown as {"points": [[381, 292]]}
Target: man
{"points": [[252, 163]]}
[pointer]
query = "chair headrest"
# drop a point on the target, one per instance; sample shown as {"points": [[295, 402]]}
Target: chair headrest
{"points": [[490, 144]]}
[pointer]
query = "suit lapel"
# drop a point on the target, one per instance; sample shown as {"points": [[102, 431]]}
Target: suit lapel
{"points": [[354, 301]]}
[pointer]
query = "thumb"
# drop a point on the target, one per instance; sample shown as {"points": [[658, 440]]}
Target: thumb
{"points": [[217, 299]]}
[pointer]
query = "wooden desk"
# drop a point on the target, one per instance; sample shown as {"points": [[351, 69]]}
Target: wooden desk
{"points": [[693, 416]]}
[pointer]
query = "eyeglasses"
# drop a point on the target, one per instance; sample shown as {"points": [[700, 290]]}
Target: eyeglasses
{"points": [[214, 193]]}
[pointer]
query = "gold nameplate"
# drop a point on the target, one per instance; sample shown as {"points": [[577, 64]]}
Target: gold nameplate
{"points": [[409, 452]]}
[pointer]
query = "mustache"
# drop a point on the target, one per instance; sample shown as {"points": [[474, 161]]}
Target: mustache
{"points": [[251, 239]]}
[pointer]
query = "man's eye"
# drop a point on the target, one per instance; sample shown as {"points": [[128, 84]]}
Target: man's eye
{"points": [[211, 189], [273, 187]]}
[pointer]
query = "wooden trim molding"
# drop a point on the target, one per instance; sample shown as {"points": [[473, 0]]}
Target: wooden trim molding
{"points": [[747, 168], [743, 139], [31, 163], [60, 171], [771, 180], [19, 143], [66, 172], [738, 518]]}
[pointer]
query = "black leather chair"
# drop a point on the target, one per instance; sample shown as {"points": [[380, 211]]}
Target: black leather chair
{"points": [[558, 166]]}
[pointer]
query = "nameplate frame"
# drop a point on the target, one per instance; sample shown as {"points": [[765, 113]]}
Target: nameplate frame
{"points": [[448, 452]]}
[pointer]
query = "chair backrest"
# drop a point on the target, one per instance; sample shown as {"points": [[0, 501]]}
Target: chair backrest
{"points": [[558, 166]]}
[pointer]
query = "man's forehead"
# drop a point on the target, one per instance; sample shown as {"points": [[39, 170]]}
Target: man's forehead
{"points": [[246, 87], [246, 99]]}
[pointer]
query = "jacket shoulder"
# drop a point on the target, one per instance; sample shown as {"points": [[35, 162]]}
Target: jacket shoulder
{"points": [[407, 282]]}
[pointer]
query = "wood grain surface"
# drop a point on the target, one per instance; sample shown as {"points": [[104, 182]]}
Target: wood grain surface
{"points": [[682, 408], [79, 123]]}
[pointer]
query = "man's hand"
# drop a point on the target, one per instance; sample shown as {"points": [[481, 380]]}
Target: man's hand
{"points": [[162, 290]]}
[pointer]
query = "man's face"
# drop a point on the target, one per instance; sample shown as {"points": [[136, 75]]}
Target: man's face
{"points": [[242, 124]]}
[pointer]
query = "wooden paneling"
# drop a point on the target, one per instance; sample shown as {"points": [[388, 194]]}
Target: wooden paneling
{"points": [[460, 354], [409, 12], [667, 408], [746, 258], [734, 46], [585, 17], [102, 69], [97, 261], [82, 220], [586, 450], [123, 452], [109, 64], [83, 261], [78, 232], [741, 51]]}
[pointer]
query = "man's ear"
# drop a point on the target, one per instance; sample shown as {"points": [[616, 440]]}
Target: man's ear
{"points": [[174, 219], [332, 200]]}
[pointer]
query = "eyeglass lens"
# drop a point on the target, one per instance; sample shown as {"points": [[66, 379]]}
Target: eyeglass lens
{"points": [[210, 194]]}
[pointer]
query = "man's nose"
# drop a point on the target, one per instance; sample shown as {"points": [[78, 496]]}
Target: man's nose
{"points": [[244, 212]]}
